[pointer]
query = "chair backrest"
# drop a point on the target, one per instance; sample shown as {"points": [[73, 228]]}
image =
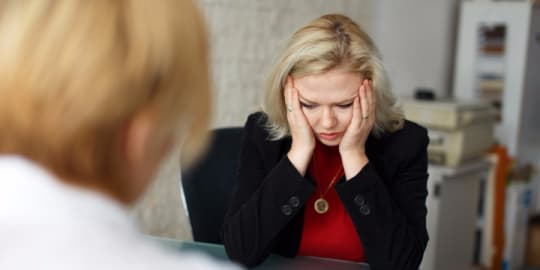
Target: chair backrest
{"points": [[209, 184]]}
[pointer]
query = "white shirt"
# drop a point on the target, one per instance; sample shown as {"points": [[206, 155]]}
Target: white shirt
{"points": [[46, 224]]}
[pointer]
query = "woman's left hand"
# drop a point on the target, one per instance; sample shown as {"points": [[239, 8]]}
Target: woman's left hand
{"points": [[352, 145]]}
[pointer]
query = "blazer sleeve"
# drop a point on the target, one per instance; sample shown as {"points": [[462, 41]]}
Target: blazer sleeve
{"points": [[264, 202], [391, 219]]}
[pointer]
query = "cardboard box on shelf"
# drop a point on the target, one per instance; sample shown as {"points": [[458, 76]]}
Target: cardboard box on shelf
{"points": [[459, 130]]}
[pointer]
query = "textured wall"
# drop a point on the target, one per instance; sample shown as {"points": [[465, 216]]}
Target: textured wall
{"points": [[245, 36], [161, 212]]}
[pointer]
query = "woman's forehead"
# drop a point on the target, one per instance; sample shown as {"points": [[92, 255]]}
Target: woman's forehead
{"points": [[332, 86]]}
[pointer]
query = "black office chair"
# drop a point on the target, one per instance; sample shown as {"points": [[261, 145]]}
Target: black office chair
{"points": [[208, 185]]}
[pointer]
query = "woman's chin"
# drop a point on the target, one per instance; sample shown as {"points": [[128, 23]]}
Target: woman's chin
{"points": [[334, 142]]}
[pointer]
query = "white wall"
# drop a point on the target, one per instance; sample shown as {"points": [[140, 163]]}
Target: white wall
{"points": [[416, 38]]}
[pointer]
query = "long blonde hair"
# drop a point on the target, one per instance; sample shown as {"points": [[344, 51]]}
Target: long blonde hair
{"points": [[72, 72], [329, 42]]}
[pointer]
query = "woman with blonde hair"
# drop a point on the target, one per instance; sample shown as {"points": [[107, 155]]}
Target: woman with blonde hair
{"points": [[94, 95], [331, 168]]}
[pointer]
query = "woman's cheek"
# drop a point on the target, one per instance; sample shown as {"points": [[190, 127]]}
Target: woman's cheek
{"points": [[311, 116], [346, 116]]}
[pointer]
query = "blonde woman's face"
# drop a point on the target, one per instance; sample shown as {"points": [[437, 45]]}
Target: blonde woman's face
{"points": [[327, 102]]}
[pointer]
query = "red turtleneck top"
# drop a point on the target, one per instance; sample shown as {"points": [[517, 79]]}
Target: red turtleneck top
{"points": [[332, 234]]}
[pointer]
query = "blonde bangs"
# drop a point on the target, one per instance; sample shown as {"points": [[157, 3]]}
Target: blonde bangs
{"points": [[74, 71]]}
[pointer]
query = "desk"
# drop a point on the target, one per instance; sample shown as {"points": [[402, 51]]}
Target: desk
{"points": [[273, 262]]}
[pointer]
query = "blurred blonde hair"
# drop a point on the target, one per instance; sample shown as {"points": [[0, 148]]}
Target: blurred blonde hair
{"points": [[331, 41], [73, 72]]}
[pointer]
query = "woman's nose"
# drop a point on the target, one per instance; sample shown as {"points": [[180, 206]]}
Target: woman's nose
{"points": [[328, 118]]}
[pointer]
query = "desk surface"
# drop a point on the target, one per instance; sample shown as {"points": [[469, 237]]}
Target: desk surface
{"points": [[273, 262]]}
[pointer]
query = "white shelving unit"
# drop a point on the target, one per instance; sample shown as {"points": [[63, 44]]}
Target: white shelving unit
{"points": [[498, 59]]}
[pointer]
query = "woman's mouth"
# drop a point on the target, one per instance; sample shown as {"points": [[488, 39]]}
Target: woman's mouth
{"points": [[329, 136]]}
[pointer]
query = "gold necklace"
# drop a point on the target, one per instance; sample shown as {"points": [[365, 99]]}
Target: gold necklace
{"points": [[321, 205]]}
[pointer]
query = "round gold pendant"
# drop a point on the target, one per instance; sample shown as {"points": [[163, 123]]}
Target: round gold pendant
{"points": [[321, 206]]}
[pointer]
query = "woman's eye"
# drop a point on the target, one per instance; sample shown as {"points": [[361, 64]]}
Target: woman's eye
{"points": [[345, 106], [307, 106]]}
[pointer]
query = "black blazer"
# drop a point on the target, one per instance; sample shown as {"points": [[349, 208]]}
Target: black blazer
{"points": [[386, 200]]}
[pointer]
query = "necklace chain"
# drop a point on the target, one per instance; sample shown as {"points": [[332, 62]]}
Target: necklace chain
{"points": [[339, 172]]}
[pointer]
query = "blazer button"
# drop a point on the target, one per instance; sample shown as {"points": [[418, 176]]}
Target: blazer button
{"points": [[364, 209], [286, 210], [294, 201], [359, 200]]}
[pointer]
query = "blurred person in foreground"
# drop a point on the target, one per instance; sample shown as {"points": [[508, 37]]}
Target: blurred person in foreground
{"points": [[331, 168], [94, 96]]}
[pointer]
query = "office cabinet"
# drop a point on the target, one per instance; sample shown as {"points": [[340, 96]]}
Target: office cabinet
{"points": [[452, 215]]}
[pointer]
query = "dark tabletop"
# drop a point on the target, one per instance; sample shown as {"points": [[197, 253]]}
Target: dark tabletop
{"points": [[273, 262]]}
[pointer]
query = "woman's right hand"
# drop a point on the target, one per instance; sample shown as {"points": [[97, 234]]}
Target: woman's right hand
{"points": [[303, 141]]}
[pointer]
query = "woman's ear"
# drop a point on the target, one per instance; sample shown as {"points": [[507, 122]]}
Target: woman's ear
{"points": [[142, 152], [137, 138], [144, 146]]}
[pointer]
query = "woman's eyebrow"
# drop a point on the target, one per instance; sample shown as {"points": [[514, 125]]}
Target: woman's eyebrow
{"points": [[305, 99], [349, 100]]}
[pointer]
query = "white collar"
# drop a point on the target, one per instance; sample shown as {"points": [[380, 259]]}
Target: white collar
{"points": [[31, 195]]}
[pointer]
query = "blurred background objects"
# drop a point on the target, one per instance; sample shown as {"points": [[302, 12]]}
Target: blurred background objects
{"points": [[473, 65]]}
